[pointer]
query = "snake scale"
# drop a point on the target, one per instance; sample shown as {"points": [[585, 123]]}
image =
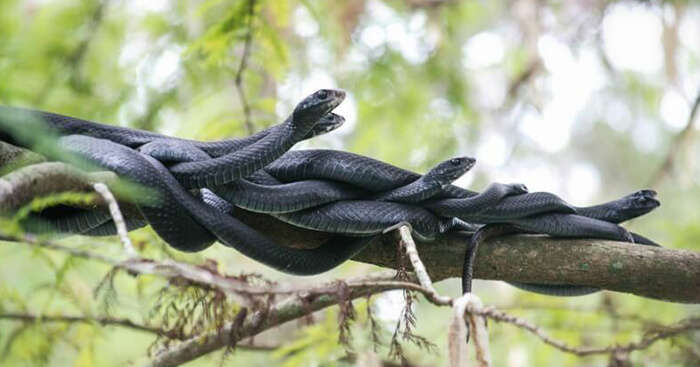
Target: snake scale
{"points": [[195, 186]]}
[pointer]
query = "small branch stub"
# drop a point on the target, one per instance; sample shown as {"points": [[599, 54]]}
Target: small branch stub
{"points": [[117, 217]]}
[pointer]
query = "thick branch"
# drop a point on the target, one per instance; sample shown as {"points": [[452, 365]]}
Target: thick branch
{"points": [[666, 274], [21, 186], [661, 273]]}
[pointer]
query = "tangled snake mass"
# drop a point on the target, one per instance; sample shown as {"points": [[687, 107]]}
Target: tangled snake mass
{"points": [[193, 187]]}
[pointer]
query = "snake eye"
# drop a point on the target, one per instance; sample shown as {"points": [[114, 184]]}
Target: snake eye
{"points": [[456, 161], [322, 94]]}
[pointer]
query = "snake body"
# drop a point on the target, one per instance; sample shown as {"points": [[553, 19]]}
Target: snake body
{"points": [[163, 209], [567, 225], [109, 229], [174, 150], [275, 197], [372, 217], [285, 198], [430, 184], [178, 208], [625, 208], [367, 218], [135, 138], [367, 173], [66, 220], [312, 114], [475, 205], [245, 161]]}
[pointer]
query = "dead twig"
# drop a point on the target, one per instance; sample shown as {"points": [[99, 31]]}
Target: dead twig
{"points": [[117, 217], [242, 67], [126, 323], [676, 145]]}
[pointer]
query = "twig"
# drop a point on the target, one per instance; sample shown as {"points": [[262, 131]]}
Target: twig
{"points": [[296, 307], [457, 333], [418, 267], [533, 68], [662, 333], [117, 217], [242, 67], [477, 326], [171, 269], [28, 317], [670, 42], [678, 142], [577, 309], [429, 3], [477, 329], [168, 269], [74, 60], [255, 345]]}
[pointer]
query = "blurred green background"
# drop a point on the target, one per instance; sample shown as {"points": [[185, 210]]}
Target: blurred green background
{"points": [[582, 98]]}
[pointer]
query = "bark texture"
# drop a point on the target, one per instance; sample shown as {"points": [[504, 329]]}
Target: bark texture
{"points": [[653, 272]]}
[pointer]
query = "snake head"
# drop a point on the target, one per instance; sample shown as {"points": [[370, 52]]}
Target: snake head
{"points": [[448, 171], [639, 202], [517, 189], [326, 124], [314, 107]]}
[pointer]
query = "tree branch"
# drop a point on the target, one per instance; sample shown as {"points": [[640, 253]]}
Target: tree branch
{"points": [[303, 304], [654, 272], [661, 273], [288, 309], [21, 186]]}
